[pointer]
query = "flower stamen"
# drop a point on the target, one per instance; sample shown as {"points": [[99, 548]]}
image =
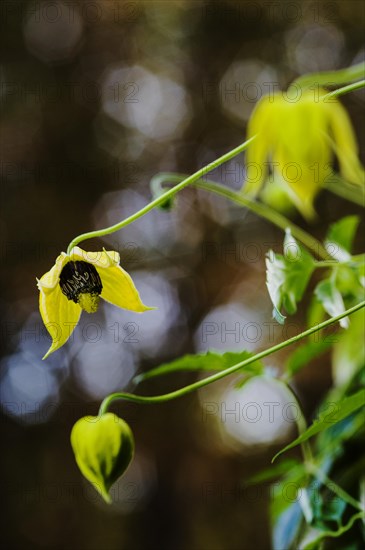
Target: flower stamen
{"points": [[80, 282]]}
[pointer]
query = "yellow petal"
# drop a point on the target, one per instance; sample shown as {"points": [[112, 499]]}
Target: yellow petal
{"points": [[301, 154], [261, 125], [344, 143], [106, 258], [50, 279], [119, 289], [60, 317]]}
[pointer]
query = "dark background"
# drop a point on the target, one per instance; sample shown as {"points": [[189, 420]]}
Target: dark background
{"points": [[96, 98]]}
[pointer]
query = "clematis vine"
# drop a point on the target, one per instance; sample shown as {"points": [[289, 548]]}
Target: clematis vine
{"points": [[297, 142]]}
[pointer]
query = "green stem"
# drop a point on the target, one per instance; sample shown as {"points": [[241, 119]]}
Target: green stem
{"points": [[345, 190], [345, 90], [311, 468], [353, 261], [218, 376], [159, 200], [332, 486], [259, 208], [270, 215], [357, 258], [326, 264], [314, 544], [331, 78], [300, 420]]}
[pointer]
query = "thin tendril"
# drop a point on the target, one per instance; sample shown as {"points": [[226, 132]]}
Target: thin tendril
{"points": [[159, 200]]}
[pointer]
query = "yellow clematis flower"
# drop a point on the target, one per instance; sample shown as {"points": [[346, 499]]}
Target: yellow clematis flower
{"points": [[298, 139], [75, 283]]}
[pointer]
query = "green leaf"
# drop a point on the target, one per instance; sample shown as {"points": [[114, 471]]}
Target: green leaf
{"points": [[331, 441], [331, 299], [340, 237], [305, 354], [332, 413], [349, 280], [287, 276], [273, 472], [205, 362], [103, 447], [332, 78]]}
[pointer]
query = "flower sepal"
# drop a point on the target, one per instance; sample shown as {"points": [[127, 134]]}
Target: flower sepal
{"points": [[296, 141]]}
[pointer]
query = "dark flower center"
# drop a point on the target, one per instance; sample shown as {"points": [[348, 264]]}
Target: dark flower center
{"points": [[79, 278]]}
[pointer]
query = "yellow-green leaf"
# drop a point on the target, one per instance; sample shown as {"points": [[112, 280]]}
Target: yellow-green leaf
{"points": [[340, 237]]}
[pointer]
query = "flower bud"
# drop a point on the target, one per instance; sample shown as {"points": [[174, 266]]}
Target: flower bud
{"points": [[103, 447]]}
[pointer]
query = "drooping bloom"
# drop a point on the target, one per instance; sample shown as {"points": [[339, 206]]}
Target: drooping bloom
{"points": [[75, 283], [298, 140]]}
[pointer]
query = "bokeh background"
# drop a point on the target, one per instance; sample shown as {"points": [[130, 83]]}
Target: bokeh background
{"points": [[97, 97]]}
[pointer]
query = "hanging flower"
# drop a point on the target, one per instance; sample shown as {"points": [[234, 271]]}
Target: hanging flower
{"points": [[75, 283], [298, 139]]}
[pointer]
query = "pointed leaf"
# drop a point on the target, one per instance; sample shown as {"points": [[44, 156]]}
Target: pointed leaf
{"points": [[326, 419], [304, 354], [271, 473], [331, 299], [205, 362], [340, 237]]}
